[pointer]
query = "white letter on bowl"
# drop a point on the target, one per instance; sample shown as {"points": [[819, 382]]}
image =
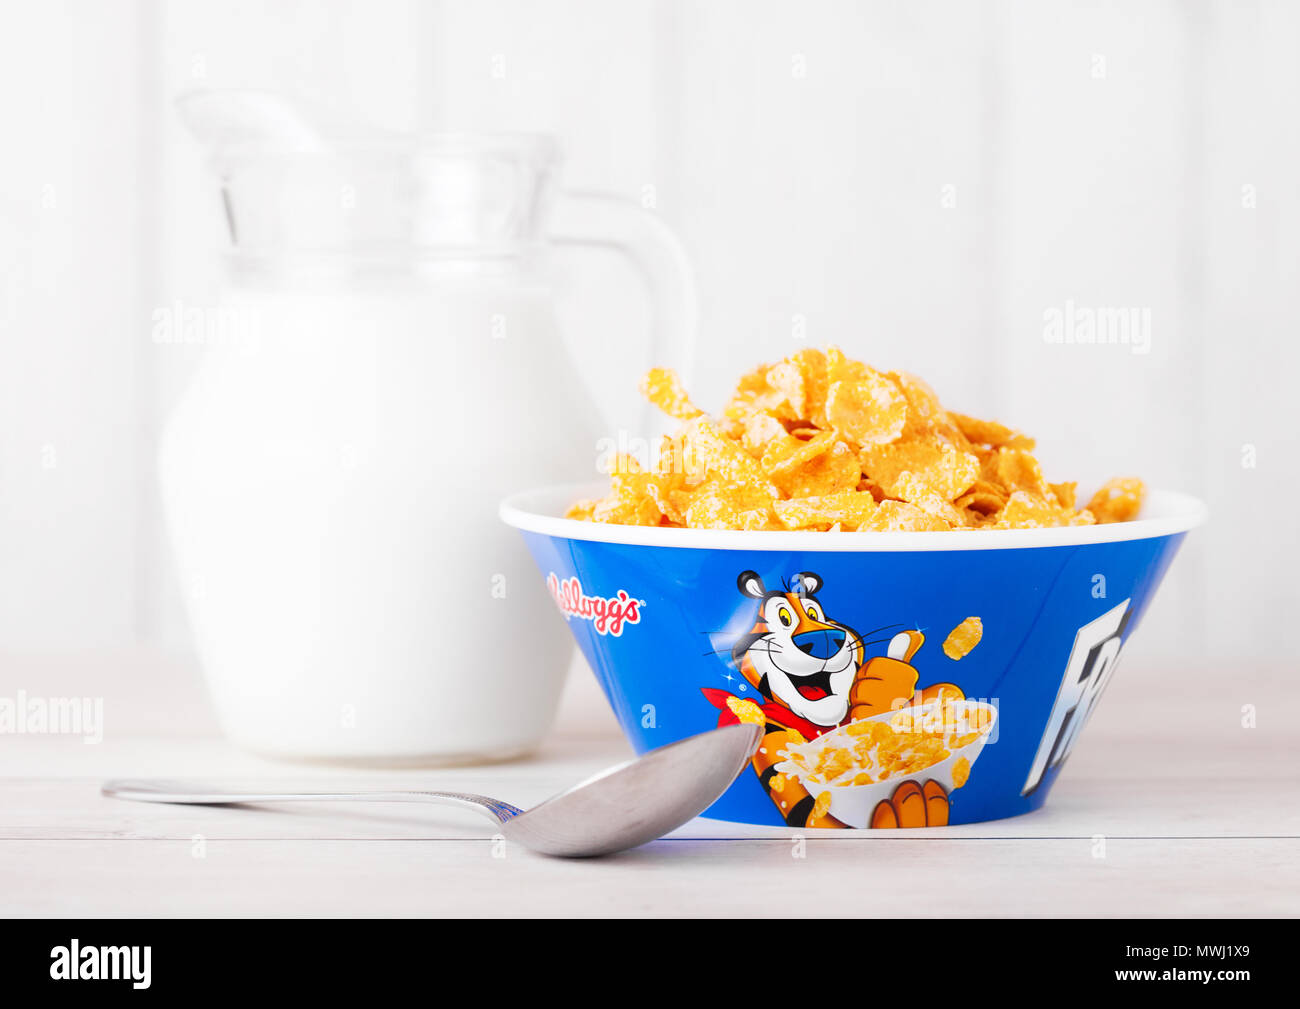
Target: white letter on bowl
{"points": [[1092, 660]]}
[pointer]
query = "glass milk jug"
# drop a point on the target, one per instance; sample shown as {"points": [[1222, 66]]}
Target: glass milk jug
{"points": [[330, 482]]}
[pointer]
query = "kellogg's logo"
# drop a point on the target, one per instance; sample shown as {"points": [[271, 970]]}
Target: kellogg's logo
{"points": [[607, 615]]}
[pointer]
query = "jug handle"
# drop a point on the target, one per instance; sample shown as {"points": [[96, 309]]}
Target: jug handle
{"points": [[608, 221]]}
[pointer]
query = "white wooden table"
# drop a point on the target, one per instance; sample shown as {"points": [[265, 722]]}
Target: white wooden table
{"points": [[1168, 807]]}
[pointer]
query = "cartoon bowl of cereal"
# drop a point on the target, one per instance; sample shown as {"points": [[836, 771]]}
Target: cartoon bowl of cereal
{"points": [[895, 769], [815, 635]]}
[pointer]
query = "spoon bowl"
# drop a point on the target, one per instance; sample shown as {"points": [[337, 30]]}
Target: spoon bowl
{"points": [[616, 809]]}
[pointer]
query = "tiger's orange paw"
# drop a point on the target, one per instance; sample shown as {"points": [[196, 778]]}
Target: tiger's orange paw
{"points": [[913, 805]]}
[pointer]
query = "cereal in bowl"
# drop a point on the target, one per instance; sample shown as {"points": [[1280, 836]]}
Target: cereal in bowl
{"points": [[821, 442]]}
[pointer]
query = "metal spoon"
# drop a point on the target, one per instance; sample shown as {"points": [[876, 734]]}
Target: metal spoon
{"points": [[621, 807]]}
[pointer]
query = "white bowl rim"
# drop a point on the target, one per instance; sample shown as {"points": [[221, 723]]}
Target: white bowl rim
{"points": [[541, 510]]}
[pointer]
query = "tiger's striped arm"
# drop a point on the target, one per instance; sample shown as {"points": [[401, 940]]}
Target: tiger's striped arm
{"points": [[798, 807], [889, 682]]}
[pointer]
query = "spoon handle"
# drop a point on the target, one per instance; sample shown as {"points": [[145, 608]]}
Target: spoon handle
{"points": [[187, 793]]}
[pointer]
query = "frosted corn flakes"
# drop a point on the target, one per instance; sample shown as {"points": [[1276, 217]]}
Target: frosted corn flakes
{"points": [[821, 442]]}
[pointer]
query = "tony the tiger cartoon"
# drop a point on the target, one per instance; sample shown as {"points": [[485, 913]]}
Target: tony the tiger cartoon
{"points": [[812, 676]]}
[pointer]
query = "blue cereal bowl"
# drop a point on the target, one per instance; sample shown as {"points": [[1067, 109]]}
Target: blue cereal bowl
{"points": [[829, 638]]}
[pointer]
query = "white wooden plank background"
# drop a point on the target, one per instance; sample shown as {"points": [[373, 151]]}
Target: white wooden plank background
{"points": [[69, 386], [1095, 152], [1252, 317]]}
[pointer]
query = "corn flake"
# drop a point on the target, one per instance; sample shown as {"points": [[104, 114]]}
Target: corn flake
{"points": [[991, 433], [662, 388], [788, 455], [761, 430], [1118, 500], [962, 638], [1065, 493], [831, 472], [1026, 510], [901, 516], [909, 470], [746, 711], [983, 497], [863, 404], [849, 510]]}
